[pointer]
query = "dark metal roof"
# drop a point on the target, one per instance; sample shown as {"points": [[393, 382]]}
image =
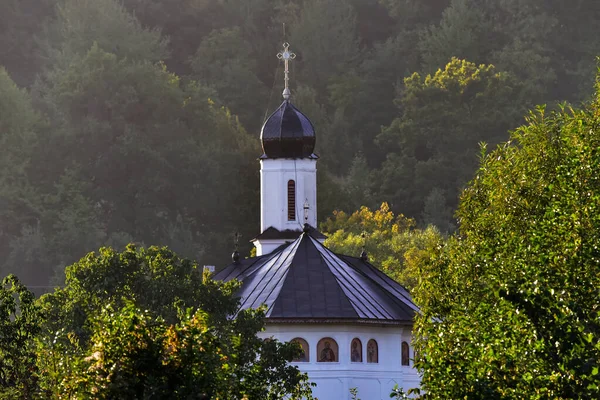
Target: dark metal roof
{"points": [[274, 233], [306, 280], [288, 133]]}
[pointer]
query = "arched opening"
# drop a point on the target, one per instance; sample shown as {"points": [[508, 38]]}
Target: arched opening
{"points": [[304, 356], [405, 354], [291, 203], [356, 350], [372, 352], [327, 350]]}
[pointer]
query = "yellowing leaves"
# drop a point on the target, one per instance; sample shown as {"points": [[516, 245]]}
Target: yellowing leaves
{"points": [[393, 242]]}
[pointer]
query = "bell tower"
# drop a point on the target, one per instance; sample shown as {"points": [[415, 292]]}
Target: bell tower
{"points": [[288, 172]]}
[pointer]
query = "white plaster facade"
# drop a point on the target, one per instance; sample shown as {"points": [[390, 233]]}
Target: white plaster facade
{"points": [[334, 380], [274, 177]]}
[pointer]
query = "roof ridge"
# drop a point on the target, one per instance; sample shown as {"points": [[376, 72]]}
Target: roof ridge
{"points": [[369, 299]]}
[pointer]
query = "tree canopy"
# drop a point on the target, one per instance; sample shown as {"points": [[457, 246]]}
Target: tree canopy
{"points": [[511, 304], [391, 242], [138, 120], [145, 323]]}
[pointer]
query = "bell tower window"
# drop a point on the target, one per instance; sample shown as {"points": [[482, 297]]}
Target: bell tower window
{"points": [[291, 203]]}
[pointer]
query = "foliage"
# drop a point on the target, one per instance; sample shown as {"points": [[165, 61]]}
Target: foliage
{"points": [[432, 147], [511, 309], [393, 243], [145, 323], [399, 394], [224, 61], [20, 320], [79, 24], [138, 120]]}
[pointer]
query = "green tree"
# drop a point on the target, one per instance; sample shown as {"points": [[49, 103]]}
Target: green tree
{"points": [[20, 127], [392, 242], [508, 34], [511, 309], [136, 154], [98, 343], [80, 24], [432, 146], [326, 40], [224, 61], [22, 28], [20, 323]]}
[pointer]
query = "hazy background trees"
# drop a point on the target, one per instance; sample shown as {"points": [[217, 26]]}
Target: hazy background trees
{"points": [[138, 120]]}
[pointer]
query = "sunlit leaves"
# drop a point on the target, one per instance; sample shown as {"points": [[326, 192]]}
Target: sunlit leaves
{"points": [[511, 309]]}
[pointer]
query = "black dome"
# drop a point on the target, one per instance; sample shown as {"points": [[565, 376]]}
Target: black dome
{"points": [[288, 133]]}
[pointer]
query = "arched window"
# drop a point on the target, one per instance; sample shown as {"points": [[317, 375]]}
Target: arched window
{"points": [[405, 354], [305, 355], [372, 352], [356, 350], [327, 350], [291, 200]]}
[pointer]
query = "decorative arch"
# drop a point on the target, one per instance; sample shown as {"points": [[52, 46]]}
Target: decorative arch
{"points": [[291, 200], [356, 350], [305, 355], [372, 352], [327, 350], [405, 353]]}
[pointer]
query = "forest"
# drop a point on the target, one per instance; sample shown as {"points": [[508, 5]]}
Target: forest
{"points": [[138, 120]]}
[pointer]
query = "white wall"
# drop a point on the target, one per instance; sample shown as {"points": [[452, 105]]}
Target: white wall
{"points": [[274, 177], [334, 379]]}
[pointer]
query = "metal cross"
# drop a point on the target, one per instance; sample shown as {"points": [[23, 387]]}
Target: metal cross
{"points": [[286, 55]]}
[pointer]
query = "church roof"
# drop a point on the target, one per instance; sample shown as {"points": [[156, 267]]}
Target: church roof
{"points": [[306, 281], [288, 133]]}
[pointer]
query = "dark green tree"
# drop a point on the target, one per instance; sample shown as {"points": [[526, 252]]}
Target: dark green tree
{"points": [[432, 146], [224, 61], [23, 26]]}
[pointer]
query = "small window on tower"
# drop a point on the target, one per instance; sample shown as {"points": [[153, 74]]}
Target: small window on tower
{"points": [[291, 200]]}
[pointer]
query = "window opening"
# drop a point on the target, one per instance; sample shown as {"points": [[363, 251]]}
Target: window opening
{"points": [[405, 354], [356, 350], [304, 355], [291, 200], [372, 352], [327, 350]]}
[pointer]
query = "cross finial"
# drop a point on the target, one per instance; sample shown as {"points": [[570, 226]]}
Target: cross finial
{"points": [[363, 255], [236, 254], [286, 55]]}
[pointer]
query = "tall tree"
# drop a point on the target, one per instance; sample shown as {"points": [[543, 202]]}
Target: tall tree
{"points": [[432, 146], [21, 248], [512, 301], [23, 26], [326, 37], [224, 61], [508, 34]]}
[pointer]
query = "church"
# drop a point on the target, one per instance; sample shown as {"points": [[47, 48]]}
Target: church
{"points": [[352, 321]]}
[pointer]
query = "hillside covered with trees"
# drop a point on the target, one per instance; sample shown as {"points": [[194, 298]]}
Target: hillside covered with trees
{"points": [[138, 120]]}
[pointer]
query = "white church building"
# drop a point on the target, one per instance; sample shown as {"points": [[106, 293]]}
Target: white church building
{"points": [[353, 322]]}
